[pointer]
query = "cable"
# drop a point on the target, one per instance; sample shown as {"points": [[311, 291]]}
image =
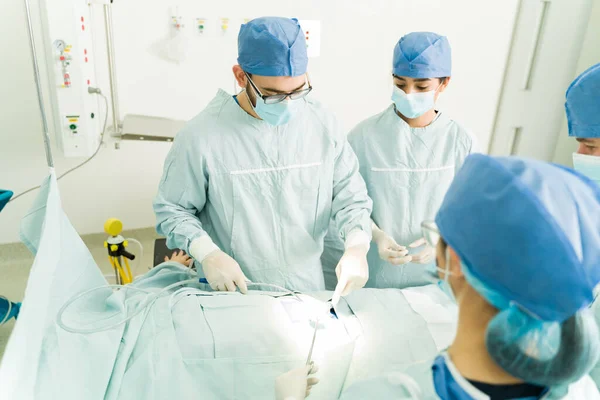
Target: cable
{"points": [[152, 297], [138, 258], [96, 91]]}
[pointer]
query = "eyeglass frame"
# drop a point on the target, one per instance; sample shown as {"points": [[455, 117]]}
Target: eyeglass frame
{"points": [[429, 228], [282, 95]]}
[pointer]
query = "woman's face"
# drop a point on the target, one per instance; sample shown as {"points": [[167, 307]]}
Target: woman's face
{"points": [[413, 85]]}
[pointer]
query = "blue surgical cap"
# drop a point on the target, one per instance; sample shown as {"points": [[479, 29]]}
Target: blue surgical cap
{"points": [[583, 103], [528, 230], [422, 55], [272, 46]]}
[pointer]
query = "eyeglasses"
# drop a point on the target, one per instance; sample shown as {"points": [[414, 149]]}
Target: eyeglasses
{"points": [[278, 98], [431, 233]]}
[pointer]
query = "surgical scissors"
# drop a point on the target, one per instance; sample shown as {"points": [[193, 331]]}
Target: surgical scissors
{"points": [[312, 346]]}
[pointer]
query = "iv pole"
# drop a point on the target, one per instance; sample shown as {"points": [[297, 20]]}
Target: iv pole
{"points": [[38, 85], [112, 70]]}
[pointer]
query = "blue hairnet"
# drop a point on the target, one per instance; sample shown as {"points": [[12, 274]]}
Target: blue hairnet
{"points": [[583, 103], [422, 55], [515, 222], [546, 353], [272, 46], [5, 196]]}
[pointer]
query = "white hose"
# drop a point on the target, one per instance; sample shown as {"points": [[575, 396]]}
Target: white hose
{"points": [[139, 258], [152, 297], [149, 301]]}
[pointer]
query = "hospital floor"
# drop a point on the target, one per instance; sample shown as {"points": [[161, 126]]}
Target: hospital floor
{"points": [[16, 261]]}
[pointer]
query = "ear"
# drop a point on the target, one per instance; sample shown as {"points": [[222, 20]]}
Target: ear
{"points": [[240, 76], [455, 264], [444, 85]]}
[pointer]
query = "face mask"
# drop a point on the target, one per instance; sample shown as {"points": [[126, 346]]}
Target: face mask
{"points": [[415, 104], [588, 166], [278, 113], [444, 284]]}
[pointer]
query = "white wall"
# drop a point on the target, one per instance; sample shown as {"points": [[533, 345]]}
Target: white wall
{"points": [[530, 114], [590, 55], [352, 77]]}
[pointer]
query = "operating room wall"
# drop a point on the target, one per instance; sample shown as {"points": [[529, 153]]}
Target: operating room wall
{"points": [[590, 55], [352, 77]]}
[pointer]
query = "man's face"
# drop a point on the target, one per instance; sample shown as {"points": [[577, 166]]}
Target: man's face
{"points": [[272, 85], [589, 147]]}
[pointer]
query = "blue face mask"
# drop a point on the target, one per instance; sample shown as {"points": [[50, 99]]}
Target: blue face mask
{"points": [[588, 166], [278, 113], [415, 104]]}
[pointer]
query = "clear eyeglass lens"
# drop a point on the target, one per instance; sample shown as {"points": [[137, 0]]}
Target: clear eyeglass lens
{"points": [[274, 99]]}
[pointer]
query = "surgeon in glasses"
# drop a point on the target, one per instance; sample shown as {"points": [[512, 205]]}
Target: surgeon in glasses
{"points": [[518, 249]]}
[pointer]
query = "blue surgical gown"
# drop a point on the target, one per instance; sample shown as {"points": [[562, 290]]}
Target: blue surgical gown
{"points": [[407, 171], [417, 383], [264, 194]]}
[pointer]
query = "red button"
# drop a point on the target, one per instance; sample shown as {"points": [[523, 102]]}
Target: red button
{"points": [[86, 59], [307, 32], [81, 19], [84, 51], [83, 27], [62, 58], [88, 81], [307, 38]]}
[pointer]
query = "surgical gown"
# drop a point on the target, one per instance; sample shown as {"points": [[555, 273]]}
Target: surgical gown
{"points": [[264, 194], [417, 383], [407, 171]]}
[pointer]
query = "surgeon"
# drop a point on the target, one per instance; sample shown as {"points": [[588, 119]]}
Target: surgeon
{"points": [[408, 155], [518, 249], [251, 182], [582, 105]]}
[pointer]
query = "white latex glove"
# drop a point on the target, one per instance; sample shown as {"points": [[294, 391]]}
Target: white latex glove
{"points": [[389, 250], [223, 273], [352, 272], [425, 256], [296, 384]]}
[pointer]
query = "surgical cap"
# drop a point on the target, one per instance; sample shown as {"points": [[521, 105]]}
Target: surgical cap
{"points": [[528, 230], [583, 103], [272, 46], [422, 55]]}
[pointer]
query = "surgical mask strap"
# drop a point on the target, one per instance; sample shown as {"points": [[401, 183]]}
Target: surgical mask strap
{"points": [[250, 100], [446, 269]]}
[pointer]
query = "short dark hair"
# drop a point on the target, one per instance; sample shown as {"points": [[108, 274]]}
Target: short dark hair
{"points": [[442, 79]]}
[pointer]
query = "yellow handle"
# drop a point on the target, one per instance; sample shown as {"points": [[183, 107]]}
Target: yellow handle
{"points": [[113, 227]]}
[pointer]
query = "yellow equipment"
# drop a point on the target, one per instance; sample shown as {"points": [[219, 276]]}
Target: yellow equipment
{"points": [[117, 255]]}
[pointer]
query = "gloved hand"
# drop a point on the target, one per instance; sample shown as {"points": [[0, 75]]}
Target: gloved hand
{"points": [[426, 255], [389, 250], [352, 272], [296, 384], [223, 273]]}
